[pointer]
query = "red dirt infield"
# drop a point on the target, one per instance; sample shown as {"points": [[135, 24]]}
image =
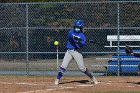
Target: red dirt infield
{"points": [[78, 84]]}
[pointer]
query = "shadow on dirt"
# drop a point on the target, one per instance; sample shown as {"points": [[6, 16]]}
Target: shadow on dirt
{"points": [[77, 81], [138, 83]]}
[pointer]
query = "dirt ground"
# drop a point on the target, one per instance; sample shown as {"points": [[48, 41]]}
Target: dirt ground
{"points": [[79, 84]]}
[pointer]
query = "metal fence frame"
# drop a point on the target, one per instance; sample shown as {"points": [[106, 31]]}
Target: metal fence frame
{"points": [[27, 28]]}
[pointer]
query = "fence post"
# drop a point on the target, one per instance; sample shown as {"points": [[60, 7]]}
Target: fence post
{"points": [[27, 28], [118, 33], [139, 69]]}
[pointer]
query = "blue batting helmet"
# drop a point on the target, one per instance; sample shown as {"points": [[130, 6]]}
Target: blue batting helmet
{"points": [[78, 23]]}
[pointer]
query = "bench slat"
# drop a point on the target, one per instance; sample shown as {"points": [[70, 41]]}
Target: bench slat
{"points": [[123, 37], [112, 38], [121, 46]]}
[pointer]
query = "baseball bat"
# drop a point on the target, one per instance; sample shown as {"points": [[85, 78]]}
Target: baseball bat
{"points": [[95, 42], [128, 50], [136, 54]]}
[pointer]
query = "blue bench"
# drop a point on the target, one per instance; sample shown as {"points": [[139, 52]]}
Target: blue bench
{"points": [[126, 66], [129, 64]]}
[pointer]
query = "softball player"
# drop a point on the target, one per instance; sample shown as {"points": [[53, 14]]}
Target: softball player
{"points": [[76, 40]]}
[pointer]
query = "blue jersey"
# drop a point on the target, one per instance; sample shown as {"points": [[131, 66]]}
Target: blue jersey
{"points": [[72, 43]]}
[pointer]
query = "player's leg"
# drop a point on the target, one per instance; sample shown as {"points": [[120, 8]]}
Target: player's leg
{"points": [[66, 60], [59, 75], [93, 79], [79, 60]]}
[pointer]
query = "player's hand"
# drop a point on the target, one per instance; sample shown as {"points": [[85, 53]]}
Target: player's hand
{"points": [[77, 38]]}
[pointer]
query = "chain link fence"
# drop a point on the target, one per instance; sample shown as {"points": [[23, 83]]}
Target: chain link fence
{"points": [[28, 30]]}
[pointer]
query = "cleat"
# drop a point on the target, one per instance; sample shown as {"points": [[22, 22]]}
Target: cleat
{"points": [[56, 82], [94, 81]]}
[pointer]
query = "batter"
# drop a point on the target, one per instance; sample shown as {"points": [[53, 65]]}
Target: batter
{"points": [[76, 40]]}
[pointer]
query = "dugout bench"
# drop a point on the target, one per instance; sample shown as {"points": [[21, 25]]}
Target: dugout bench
{"points": [[113, 38], [128, 63]]}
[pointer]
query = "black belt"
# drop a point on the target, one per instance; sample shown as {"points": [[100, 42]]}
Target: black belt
{"points": [[72, 49], [79, 50]]}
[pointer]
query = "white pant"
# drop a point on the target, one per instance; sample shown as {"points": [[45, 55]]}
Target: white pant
{"points": [[78, 58]]}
